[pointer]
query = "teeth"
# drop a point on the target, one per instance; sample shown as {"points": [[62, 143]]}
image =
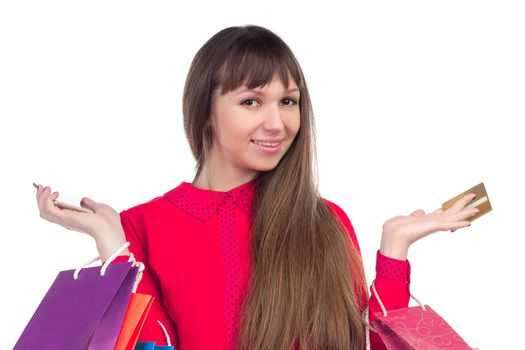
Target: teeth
{"points": [[267, 144]]}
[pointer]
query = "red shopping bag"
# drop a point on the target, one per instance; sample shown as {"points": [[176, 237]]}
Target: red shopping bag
{"points": [[136, 313], [415, 328], [138, 309]]}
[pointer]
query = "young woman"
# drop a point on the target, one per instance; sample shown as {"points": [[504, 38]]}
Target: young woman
{"points": [[249, 255]]}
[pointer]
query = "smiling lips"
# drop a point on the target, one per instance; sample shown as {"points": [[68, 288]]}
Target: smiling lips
{"points": [[268, 147]]}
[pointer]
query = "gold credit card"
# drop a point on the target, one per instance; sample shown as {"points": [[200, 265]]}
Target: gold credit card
{"points": [[481, 201]]}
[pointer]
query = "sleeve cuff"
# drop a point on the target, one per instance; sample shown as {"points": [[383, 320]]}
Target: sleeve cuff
{"points": [[392, 269]]}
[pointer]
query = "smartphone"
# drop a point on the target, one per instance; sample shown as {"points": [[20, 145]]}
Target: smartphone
{"points": [[67, 201]]}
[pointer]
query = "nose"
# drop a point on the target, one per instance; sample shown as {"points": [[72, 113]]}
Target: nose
{"points": [[273, 120]]}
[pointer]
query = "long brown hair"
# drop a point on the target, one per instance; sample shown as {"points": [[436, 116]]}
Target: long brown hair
{"points": [[307, 284]]}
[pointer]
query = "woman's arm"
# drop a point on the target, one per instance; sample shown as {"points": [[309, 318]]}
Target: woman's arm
{"points": [[392, 282], [149, 284], [110, 231], [399, 233], [392, 278]]}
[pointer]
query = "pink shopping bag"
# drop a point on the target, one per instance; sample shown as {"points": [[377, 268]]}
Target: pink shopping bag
{"points": [[415, 328]]}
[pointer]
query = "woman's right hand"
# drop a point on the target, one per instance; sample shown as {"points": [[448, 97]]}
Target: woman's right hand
{"points": [[401, 231], [103, 225]]}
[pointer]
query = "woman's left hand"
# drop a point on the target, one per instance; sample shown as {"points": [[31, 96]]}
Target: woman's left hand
{"points": [[401, 231]]}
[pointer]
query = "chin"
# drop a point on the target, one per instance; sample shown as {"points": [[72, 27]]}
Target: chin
{"points": [[264, 167]]}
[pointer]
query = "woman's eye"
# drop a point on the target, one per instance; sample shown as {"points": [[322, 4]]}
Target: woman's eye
{"points": [[249, 102], [289, 102], [253, 103]]}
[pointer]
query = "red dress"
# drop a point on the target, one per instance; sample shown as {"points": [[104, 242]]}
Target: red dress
{"points": [[195, 245]]}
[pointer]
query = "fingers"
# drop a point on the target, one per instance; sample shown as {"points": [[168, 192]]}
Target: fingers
{"points": [[68, 218], [42, 194], [457, 215], [464, 214], [438, 211], [453, 219], [87, 202], [45, 201], [418, 213], [462, 202], [459, 225], [46, 205]]}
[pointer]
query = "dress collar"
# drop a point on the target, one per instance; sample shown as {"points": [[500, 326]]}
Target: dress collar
{"points": [[202, 204]]}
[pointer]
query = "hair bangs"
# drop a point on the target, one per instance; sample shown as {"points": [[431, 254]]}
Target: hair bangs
{"points": [[254, 62]]}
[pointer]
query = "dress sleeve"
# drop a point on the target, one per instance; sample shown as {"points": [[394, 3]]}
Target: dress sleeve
{"points": [[392, 284], [149, 284], [392, 280]]}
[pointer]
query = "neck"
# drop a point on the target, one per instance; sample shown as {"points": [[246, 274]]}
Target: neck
{"points": [[217, 178]]}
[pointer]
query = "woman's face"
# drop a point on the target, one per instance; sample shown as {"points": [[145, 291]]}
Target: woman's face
{"points": [[253, 129]]}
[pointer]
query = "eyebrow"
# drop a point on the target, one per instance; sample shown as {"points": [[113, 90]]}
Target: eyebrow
{"points": [[257, 92]]}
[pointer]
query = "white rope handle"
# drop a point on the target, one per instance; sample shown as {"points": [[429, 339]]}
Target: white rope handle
{"points": [[139, 275], [378, 299], [383, 306], [106, 264], [366, 313], [165, 333], [368, 327]]}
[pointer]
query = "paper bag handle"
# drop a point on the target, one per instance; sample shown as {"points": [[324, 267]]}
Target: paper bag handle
{"points": [[366, 312], [383, 306], [106, 264]]}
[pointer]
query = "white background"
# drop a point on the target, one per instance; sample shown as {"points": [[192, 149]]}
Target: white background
{"points": [[415, 102]]}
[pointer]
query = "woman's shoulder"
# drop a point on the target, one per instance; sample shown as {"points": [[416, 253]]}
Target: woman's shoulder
{"points": [[337, 209], [155, 207], [344, 219], [145, 207]]}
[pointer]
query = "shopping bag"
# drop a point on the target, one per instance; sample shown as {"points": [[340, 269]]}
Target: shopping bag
{"points": [[415, 328], [136, 313], [83, 308], [151, 346], [145, 345]]}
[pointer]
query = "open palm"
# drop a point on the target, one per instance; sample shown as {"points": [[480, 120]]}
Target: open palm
{"points": [[405, 230]]}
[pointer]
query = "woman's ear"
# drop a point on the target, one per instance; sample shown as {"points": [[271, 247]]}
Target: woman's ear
{"points": [[210, 122], [208, 126]]}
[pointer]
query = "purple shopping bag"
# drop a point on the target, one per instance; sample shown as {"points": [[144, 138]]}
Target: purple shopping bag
{"points": [[82, 313]]}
